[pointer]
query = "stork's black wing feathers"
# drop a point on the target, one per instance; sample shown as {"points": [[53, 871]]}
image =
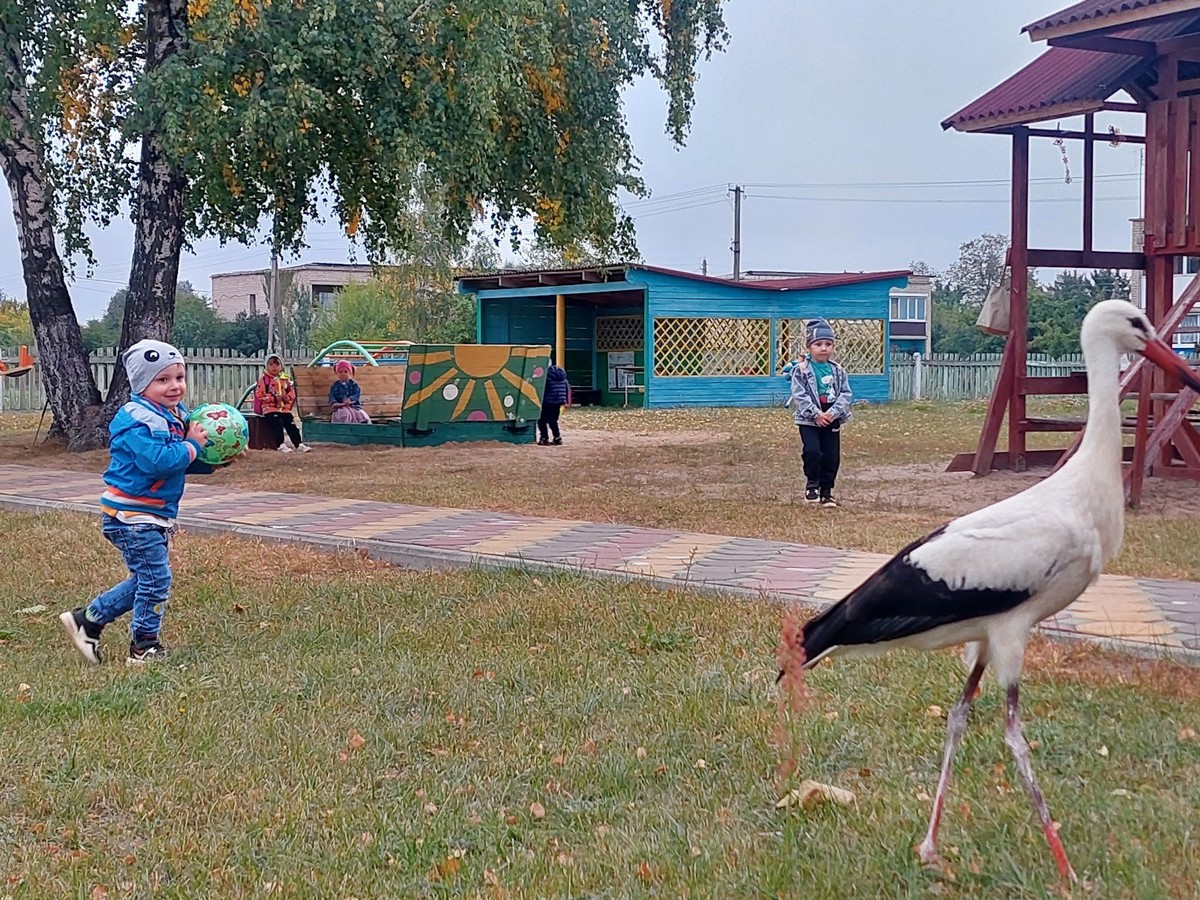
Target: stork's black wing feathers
{"points": [[899, 600]]}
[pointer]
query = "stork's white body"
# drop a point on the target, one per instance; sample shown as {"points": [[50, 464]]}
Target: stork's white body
{"points": [[987, 578], [1051, 541]]}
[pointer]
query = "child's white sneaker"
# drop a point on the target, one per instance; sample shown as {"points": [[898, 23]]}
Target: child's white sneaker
{"points": [[304, 448], [84, 635], [284, 448]]}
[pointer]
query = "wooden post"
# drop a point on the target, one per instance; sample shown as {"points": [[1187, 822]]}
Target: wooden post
{"points": [[1018, 298], [560, 330], [1089, 168]]}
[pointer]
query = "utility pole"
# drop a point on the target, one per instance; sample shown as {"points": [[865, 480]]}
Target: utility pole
{"points": [[737, 232], [273, 310]]}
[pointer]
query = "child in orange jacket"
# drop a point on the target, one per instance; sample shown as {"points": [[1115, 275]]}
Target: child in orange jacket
{"points": [[274, 397]]}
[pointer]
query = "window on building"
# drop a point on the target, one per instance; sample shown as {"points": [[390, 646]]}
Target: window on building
{"points": [[325, 295], [908, 308], [1189, 338], [253, 305], [1187, 265]]}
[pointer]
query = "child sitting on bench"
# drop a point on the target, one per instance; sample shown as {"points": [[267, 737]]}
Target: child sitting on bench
{"points": [[345, 397]]}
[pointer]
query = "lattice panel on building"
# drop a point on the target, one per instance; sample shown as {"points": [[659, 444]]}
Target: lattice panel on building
{"points": [[789, 342], [859, 347], [619, 333], [711, 346]]}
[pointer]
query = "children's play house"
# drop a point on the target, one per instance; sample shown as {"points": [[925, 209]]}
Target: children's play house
{"points": [[643, 335]]}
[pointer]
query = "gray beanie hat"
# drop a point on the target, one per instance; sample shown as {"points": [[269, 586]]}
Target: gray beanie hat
{"points": [[817, 330], [145, 359]]}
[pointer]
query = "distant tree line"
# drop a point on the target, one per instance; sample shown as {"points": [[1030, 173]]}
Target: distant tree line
{"points": [[196, 325], [1055, 309]]}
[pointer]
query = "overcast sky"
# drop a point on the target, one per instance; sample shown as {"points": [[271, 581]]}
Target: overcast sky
{"points": [[829, 115]]}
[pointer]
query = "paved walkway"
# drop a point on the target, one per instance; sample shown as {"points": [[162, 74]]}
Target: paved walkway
{"points": [[1147, 614]]}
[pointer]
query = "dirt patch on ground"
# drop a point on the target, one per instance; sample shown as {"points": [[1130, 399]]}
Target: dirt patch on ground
{"points": [[930, 486]]}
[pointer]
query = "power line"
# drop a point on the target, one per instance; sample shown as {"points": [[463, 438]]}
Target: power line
{"points": [[1119, 176], [911, 200]]}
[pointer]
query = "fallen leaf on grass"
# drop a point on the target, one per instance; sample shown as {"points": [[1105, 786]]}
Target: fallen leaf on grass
{"points": [[33, 611], [645, 872], [1103, 751], [490, 877], [934, 712], [812, 793], [1187, 734], [537, 810], [446, 869]]}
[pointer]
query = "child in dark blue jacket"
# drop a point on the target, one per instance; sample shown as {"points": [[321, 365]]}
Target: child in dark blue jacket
{"points": [[153, 447], [554, 398]]}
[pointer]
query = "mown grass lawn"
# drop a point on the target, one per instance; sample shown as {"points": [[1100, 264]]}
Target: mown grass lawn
{"points": [[334, 727]]}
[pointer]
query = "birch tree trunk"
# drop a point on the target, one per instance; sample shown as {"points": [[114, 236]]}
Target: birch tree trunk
{"points": [[63, 358], [158, 213]]}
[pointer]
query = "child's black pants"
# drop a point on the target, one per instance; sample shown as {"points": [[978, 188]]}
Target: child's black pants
{"points": [[822, 455]]}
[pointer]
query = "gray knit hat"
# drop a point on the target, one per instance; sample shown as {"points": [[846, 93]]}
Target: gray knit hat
{"points": [[817, 330], [145, 359]]}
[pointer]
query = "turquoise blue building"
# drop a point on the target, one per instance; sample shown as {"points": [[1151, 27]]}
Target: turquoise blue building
{"points": [[644, 335]]}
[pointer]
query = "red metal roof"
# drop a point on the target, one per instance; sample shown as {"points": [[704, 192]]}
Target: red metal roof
{"points": [[616, 275], [1063, 81], [1095, 12], [788, 283]]}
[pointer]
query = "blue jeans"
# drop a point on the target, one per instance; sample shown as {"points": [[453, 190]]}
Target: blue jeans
{"points": [[145, 591]]}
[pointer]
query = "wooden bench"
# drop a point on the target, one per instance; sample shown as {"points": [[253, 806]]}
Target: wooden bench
{"points": [[382, 391]]}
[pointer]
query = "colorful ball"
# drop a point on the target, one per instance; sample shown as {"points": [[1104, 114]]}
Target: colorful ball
{"points": [[228, 433]]}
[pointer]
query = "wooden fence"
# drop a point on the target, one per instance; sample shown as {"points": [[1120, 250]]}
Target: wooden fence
{"points": [[214, 376], [221, 376], [947, 376]]}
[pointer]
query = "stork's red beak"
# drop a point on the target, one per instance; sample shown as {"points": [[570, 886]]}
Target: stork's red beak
{"points": [[1159, 353]]}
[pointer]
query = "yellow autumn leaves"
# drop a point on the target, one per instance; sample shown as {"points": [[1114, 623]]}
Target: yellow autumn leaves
{"points": [[243, 12]]}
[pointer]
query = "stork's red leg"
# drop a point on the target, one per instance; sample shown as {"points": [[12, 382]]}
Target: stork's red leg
{"points": [[956, 724], [1014, 736]]}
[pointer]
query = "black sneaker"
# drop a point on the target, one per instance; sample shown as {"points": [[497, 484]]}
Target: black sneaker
{"points": [[557, 442], [84, 635], [542, 442], [810, 496], [143, 652], [827, 500]]}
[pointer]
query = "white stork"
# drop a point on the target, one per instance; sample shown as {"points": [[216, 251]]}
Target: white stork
{"points": [[987, 578]]}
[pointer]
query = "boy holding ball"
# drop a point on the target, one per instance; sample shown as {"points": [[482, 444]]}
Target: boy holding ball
{"points": [[153, 447]]}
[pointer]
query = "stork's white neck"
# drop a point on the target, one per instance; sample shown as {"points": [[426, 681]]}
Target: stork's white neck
{"points": [[1100, 450]]}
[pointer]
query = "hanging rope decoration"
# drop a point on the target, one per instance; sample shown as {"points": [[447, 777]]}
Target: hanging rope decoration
{"points": [[1116, 137], [1062, 148]]}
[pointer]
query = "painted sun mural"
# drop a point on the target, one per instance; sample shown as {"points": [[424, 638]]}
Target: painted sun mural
{"points": [[474, 382]]}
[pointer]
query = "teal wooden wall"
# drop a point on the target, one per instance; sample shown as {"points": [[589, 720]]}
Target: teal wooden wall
{"points": [[669, 296], [526, 316], [520, 320]]}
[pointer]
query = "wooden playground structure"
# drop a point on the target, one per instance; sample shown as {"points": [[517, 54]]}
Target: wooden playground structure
{"points": [[1150, 51]]}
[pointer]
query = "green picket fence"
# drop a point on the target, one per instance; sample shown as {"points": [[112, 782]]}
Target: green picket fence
{"points": [[948, 376]]}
